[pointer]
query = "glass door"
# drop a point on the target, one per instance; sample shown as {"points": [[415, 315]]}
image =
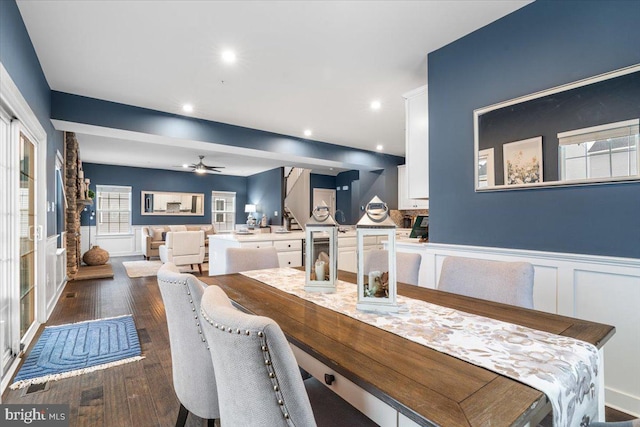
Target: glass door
{"points": [[28, 234], [6, 249]]}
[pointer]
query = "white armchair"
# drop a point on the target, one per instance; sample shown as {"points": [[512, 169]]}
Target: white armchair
{"points": [[184, 248]]}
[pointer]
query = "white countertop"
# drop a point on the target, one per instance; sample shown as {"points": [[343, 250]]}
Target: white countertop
{"points": [[257, 236]]}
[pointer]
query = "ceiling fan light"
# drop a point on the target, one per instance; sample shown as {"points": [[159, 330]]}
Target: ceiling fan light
{"points": [[186, 166]]}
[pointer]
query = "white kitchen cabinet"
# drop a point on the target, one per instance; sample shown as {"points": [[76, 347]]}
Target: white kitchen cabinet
{"points": [[417, 143], [404, 202], [289, 247], [289, 252], [347, 250], [347, 259]]}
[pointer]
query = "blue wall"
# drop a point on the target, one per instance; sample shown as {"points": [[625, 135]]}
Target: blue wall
{"points": [[345, 199], [265, 190], [19, 59], [142, 179], [542, 45]]}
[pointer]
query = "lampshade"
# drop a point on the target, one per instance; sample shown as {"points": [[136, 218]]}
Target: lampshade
{"points": [[249, 208]]}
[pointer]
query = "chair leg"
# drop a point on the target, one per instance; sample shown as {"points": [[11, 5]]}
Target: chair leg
{"points": [[200, 268], [182, 416]]}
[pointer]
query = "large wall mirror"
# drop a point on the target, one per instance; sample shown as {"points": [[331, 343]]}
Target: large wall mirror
{"points": [[164, 203], [581, 133]]}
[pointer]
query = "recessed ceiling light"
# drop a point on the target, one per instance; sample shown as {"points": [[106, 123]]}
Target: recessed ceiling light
{"points": [[375, 105], [308, 132], [187, 108], [229, 56], [379, 147], [185, 166]]}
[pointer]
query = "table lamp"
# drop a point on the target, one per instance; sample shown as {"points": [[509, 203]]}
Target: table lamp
{"points": [[250, 209]]}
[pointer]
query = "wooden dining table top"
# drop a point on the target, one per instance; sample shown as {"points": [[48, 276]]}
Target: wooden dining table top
{"points": [[425, 385]]}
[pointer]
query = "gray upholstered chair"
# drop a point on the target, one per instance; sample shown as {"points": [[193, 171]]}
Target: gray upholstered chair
{"points": [[257, 374], [184, 248], [245, 259], [500, 281], [407, 265], [193, 378]]}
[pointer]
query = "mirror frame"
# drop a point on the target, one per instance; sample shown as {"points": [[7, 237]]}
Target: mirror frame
{"points": [[143, 193], [559, 183]]}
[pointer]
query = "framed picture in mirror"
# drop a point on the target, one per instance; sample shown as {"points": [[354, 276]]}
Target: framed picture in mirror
{"points": [[523, 161]]}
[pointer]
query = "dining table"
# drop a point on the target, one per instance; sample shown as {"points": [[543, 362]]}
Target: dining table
{"points": [[396, 381]]}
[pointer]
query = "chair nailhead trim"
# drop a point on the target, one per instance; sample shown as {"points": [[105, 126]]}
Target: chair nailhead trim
{"points": [[267, 360], [272, 375], [193, 307]]}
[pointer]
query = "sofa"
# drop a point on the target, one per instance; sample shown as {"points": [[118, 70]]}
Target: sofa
{"points": [[153, 236]]}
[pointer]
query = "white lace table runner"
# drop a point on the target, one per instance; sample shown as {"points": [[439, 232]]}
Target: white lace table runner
{"points": [[563, 368]]}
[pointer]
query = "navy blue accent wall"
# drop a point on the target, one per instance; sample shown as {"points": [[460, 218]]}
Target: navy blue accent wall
{"points": [[344, 198], [542, 45], [19, 59], [142, 179], [80, 109], [265, 190]]}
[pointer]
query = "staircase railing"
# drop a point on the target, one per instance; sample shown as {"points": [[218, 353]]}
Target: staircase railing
{"points": [[297, 199]]}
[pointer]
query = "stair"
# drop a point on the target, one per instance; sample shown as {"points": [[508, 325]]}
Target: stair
{"points": [[291, 223], [296, 202]]}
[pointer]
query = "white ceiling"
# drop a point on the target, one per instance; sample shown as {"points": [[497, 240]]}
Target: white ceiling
{"points": [[301, 64]]}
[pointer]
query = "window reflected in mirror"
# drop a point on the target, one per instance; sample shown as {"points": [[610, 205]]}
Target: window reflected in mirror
{"points": [[608, 151], [172, 204]]}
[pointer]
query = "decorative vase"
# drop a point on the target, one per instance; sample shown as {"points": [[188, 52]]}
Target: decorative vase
{"points": [[95, 256]]}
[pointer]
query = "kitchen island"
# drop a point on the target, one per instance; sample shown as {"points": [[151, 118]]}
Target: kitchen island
{"points": [[288, 245]]}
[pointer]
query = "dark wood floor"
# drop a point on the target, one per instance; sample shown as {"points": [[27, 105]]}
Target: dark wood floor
{"points": [[135, 394]]}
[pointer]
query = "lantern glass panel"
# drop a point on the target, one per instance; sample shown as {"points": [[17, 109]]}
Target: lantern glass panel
{"points": [[377, 287], [320, 258]]}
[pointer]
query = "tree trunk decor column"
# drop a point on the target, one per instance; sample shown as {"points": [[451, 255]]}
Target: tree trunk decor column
{"points": [[72, 217]]}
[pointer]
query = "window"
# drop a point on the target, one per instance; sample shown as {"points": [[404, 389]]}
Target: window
{"points": [[223, 210], [606, 151], [113, 209], [486, 172]]}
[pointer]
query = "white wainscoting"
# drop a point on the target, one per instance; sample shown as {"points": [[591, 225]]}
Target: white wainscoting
{"points": [[56, 274], [597, 288], [118, 245]]}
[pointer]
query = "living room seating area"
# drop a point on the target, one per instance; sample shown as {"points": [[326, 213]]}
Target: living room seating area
{"points": [[154, 236]]}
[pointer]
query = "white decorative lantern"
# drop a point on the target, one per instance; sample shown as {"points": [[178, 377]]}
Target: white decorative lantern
{"points": [[321, 251], [377, 289]]}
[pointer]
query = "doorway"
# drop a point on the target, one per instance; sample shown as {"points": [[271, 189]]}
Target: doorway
{"points": [[328, 196], [23, 214]]}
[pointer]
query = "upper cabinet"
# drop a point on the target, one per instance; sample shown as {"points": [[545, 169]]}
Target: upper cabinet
{"points": [[417, 143], [404, 202]]}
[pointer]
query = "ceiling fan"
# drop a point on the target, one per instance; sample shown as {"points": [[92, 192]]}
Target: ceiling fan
{"points": [[200, 167]]}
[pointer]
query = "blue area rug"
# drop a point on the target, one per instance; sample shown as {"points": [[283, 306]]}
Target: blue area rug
{"points": [[69, 350]]}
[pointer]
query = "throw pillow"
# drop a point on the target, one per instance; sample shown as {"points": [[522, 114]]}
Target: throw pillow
{"points": [[156, 233], [177, 228]]}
